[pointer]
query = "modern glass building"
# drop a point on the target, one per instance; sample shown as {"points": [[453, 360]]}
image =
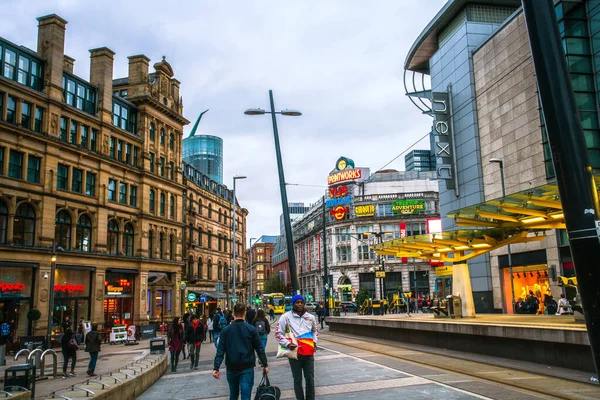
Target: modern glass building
{"points": [[419, 160], [205, 153]]}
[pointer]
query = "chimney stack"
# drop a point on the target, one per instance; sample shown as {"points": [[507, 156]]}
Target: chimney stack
{"points": [[139, 65], [68, 63], [51, 46], [101, 75]]}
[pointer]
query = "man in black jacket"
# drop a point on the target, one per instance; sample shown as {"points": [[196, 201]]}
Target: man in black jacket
{"points": [[237, 343], [194, 336]]}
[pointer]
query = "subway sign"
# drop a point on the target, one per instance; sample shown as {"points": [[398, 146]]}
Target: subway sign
{"points": [[366, 210], [401, 207]]}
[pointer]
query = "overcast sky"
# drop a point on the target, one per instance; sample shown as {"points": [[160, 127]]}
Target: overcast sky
{"points": [[340, 62]]}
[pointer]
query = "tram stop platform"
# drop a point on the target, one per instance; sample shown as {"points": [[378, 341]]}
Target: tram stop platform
{"points": [[549, 340]]}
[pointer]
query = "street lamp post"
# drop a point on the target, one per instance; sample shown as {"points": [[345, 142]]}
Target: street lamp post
{"points": [[234, 266], [284, 202], [510, 266], [51, 296], [250, 295]]}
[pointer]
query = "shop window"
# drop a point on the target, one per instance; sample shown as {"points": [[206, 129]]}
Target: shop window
{"points": [[151, 203], [24, 226], [172, 247], [34, 165], [152, 131], [15, 165], [161, 246], [26, 115], [112, 244], [200, 274], [151, 243], [84, 234], [3, 222], [128, 240], [62, 230]]}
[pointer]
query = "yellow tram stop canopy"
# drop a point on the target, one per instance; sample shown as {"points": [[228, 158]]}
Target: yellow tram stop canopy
{"points": [[517, 218]]}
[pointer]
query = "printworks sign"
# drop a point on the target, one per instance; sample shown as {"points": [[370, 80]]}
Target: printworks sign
{"points": [[344, 171], [408, 206]]}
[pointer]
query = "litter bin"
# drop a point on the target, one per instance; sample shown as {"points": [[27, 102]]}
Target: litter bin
{"points": [[454, 306], [20, 375], [157, 345]]}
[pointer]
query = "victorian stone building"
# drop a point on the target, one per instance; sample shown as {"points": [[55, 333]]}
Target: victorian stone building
{"points": [[92, 168]]}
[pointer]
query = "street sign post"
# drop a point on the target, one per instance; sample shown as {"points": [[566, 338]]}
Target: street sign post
{"points": [[191, 297], [202, 299]]}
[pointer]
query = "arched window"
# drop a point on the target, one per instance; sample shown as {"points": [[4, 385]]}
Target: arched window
{"points": [[225, 217], [172, 207], [152, 198], [209, 211], [128, 239], [151, 243], [162, 204], [200, 272], [172, 247], [209, 269], [112, 242], [3, 222], [220, 216], [190, 266], [161, 245], [24, 226], [162, 135], [199, 206], [225, 244], [200, 236], [62, 230], [152, 131], [83, 235], [220, 245], [220, 271], [191, 203], [172, 141]]}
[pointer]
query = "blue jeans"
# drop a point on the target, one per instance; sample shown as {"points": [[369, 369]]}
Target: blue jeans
{"points": [[93, 359], [216, 336], [240, 380], [263, 340]]}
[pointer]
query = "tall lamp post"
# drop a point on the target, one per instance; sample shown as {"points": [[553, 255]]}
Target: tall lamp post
{"points": [[510, 266], [51, 296], [251, 266], [234, 266], [282, 188], [380, 262]]}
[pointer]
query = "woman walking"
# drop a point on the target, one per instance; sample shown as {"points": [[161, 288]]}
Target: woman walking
{"points": [[210, 328], [175, 338], [92, 346], [69, 351], [262, 327]]}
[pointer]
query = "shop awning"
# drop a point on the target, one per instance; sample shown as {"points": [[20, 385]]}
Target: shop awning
{"points": [[517, 218]]}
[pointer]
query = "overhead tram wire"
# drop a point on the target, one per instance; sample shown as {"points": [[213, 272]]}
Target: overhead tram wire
{"points": [[410, 147]]}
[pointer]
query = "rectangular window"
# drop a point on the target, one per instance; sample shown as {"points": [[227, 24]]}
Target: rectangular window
{"points": [[79, 94], [128, 153], [1, 94], [151, 162], [62, 177], [33, 169], [10, 64], [133, 196], [162, 166], [23, 70], [112, 190], [172, 169], [26, 115], [123, 193], [63, 128], [84, 137], [73, 133], [1, 159], [35, 79], [11, 109], [93, 140], [90, 184], [124, 115], [77, 181], [15, 164], [136, 151], [112, 147], [39, 119], [120, 150]]}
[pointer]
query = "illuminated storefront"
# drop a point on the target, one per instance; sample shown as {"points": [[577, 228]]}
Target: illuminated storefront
{"points": [[71, 295], [159, 296], [16, 296], [119, 287]]}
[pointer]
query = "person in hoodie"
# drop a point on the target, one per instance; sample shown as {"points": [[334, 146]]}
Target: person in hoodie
{"points": [[304, 326], [194, 336]]}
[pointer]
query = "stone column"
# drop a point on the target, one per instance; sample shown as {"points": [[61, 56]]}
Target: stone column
{"points": [[461, 286]]}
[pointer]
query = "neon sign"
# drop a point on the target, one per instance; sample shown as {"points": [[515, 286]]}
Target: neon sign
{"points": [[339, 212], [345, 171], [11, 287], [69, 288], [408, 206], [338, 199], [367, 210]]}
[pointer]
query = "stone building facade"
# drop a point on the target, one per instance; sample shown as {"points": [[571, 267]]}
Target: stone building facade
{"points": [[92, 168]]}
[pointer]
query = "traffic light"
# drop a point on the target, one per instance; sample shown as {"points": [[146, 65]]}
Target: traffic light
{"points": [[564, 281], [310, 297]]}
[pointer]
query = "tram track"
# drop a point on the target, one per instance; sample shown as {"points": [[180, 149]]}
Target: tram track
{"points": [[535, 385]]}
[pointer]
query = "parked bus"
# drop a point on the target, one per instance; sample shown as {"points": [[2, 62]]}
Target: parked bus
{"points": [[274, 301]]}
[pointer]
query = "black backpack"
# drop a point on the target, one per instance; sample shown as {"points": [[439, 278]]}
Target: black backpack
{"points": [[260, 327], [265, 391]]}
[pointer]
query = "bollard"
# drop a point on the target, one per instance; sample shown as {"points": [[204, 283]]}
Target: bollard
{"points": [[2, 355]]}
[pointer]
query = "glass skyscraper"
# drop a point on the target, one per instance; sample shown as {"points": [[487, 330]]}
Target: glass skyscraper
{"points": [[205, 153]]}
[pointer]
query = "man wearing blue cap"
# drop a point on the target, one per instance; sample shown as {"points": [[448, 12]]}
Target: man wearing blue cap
{"points": [[304, 326]]}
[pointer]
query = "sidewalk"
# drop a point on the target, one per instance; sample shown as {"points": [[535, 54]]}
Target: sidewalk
{"points": [[110, 359]]}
